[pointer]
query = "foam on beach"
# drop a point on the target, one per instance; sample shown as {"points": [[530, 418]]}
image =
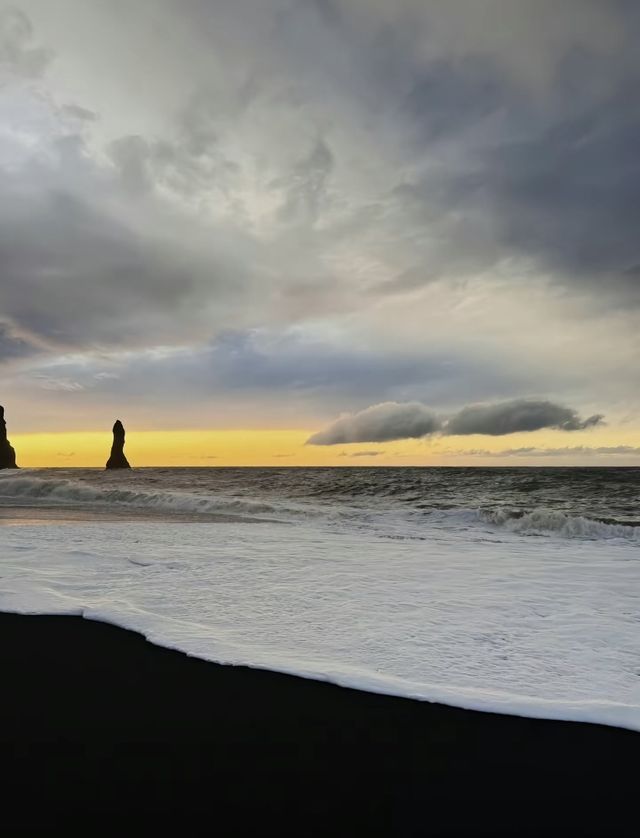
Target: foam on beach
{"points": [[540, 627]]}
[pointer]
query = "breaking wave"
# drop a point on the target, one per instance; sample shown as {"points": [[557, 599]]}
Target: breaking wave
{"points": [[552, 521], [407, 517], [38, 491]]}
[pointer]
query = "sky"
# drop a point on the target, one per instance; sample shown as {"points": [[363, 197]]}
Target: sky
{"points": [[321, 232]]}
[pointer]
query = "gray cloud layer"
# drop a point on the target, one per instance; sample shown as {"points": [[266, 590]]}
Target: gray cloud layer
{"points": [[12, 346], [388, 421], [323, 168], [18, 54], [380, 423], [514, 416]]}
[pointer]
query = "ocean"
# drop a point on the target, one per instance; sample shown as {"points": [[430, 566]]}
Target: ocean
{"points": [[507, 590]]}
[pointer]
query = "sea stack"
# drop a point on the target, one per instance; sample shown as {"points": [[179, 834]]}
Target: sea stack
{"points": [[7, 454], [117, 458]]}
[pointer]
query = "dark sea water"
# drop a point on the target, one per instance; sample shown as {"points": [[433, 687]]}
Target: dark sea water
{"points": [[585, 502]]}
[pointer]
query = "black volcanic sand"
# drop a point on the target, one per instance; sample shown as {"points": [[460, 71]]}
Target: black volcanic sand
{"points": [[99, 726]]}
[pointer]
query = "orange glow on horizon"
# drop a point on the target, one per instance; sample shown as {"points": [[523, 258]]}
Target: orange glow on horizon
{"points": [[286, 448]]}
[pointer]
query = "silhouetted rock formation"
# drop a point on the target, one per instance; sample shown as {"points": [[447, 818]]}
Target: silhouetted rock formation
{"points": [[117, 458], [7, 454]]}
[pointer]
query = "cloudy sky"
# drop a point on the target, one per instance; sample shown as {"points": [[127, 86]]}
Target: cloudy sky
{"points": [[306, 231]]}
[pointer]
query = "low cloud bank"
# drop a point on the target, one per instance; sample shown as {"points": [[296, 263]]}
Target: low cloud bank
{"points": [[380, 423], [516, 416], [412, 420]]}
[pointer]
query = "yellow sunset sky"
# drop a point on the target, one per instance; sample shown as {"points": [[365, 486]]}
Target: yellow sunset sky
{"points": [[253, 447]]}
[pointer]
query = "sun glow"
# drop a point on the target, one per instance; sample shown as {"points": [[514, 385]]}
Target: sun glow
{"points": [[251, 447]]}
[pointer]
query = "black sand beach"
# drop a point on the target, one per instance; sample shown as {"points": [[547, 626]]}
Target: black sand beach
{"points": [[99, 725]]}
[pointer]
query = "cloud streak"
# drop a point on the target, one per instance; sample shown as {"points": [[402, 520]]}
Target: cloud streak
{"points": [[569, 451], [516, 416], [363, 454], [380, 423], [391, 420]]}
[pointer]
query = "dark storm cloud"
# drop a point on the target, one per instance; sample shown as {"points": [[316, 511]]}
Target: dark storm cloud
{"points": [[74, 275], [562, 192], [515, 416], [569, 195], [242, 361], [84, 265], [306, 163], [390, 420], [274, 366], [296, 361], [547, 175], [530, 128]]}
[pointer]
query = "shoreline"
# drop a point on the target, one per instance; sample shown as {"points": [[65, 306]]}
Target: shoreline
{"points": [[99, 721], [37, 514]]}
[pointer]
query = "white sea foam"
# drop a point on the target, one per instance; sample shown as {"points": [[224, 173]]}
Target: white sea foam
{"points": [[539, 627]]}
